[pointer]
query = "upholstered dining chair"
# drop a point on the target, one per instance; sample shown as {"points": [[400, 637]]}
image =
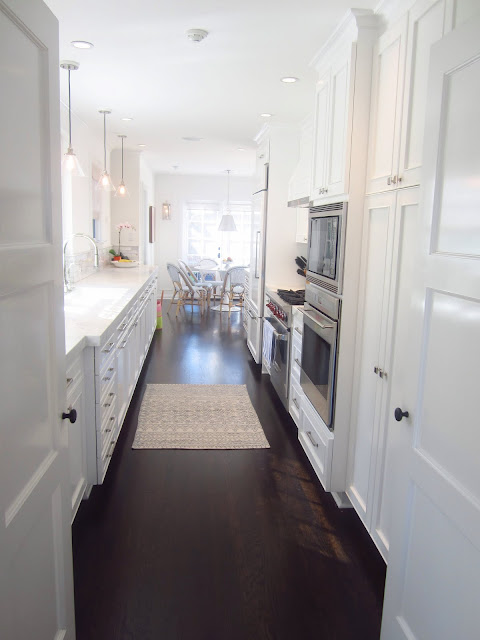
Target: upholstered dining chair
{"points": [[184, 291], [233, 288]]}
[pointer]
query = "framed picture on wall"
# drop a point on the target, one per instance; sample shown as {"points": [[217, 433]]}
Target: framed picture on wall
{"points": [[151, 223]]}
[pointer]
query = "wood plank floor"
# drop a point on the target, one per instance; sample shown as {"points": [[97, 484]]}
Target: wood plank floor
{"points": [[237, 545]]}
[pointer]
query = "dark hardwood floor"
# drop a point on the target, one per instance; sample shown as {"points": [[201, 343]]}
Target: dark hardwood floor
{"points": [[237, 545]]}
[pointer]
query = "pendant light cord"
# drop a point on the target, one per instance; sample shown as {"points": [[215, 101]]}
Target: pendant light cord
{"points": [[122, 159], [228, 190], [104, 142], [69, 115]]}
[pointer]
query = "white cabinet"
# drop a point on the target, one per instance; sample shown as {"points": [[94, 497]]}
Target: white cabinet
{"points": [[302, 225], [386, 240], [254, 333], [261, 166], [341, 104], [399, 93], [300, 182], [76, 432]]}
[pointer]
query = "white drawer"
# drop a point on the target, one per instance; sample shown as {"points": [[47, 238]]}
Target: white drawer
{"points": [[295, 402], [103, 353], [317, 441], [74, 374], [106, 401], [104, 380], [296, 362]]}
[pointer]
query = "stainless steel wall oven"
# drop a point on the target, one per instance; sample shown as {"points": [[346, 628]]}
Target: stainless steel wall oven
{"points": [[319, 351]]}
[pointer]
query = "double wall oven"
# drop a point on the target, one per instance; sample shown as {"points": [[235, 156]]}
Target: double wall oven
{"points": [[326, 246]]}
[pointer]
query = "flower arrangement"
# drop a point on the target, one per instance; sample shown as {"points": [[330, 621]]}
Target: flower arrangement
{"points": [[118, 255]]}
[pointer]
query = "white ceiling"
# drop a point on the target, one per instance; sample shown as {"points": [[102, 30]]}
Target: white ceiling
{"points": [[144, 66]]}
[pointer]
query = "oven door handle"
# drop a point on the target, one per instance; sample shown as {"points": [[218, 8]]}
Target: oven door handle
{"points": [[322, 326], [281, 337]]}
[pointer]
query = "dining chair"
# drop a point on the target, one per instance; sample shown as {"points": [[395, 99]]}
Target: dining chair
{"points": [[184, 290], [208, 278], [194, 280], [208, 263], [233, 288]]}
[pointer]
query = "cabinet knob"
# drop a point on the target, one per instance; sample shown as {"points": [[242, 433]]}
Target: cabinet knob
{"points": [[71, 415], [399, 414]]}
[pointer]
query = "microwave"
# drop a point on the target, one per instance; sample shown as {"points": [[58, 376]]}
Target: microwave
{"points": [[326, 246]]}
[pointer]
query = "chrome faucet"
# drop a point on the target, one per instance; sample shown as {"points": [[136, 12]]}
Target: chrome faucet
{"points": [[66, 281]]}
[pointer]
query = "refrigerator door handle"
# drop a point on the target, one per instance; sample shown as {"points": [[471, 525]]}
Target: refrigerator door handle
{"points": [[257, 245]]}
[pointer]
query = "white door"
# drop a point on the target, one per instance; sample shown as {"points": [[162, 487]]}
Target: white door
{"points": [[36, 585], [433, 578]]}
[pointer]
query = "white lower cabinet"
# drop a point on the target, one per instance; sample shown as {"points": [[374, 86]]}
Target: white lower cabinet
{"points": [[254, 333], [111, 374], [389, 227], [77, 431]]}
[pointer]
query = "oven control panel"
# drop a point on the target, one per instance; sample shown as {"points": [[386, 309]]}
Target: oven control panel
{"points": [[277, 311]]}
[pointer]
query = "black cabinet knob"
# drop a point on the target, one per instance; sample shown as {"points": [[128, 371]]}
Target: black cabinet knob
{"points": [[71, 415], [399, 414]]}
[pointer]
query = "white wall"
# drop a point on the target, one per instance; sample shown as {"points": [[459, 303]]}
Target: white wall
{"points": [[177, 190]]}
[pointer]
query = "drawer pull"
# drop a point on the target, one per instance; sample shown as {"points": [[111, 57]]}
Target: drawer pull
{"points": [[107, 430], [298, 362], [106, 378], [296, 403], [110, 369], [107, 404], [298, 331], [309, 434], [111, 394], [110, 347], [112, 417], [69, 382], [122, 326]]}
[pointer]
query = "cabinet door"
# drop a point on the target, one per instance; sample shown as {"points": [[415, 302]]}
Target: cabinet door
{"points": [[338, 126], [321, 136], [426, 25], [302, 225], [375, 272], [387, 91], [77, 456]]}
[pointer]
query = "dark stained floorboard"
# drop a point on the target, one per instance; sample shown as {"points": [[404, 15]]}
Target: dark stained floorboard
{"points": [[207, 545]]}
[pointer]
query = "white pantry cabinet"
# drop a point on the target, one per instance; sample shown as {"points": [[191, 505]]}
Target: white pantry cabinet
{"points": [[399, 93], [300, 183], [389, 230]]}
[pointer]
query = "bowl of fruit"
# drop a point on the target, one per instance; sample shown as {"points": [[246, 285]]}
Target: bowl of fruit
{"points": [[121, 261]]}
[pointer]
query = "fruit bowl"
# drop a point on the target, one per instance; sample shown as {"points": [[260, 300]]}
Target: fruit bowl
{"points": [[125, 264]]}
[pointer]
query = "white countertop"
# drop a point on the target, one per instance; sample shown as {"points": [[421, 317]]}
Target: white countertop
{"points": [[96, 302]]}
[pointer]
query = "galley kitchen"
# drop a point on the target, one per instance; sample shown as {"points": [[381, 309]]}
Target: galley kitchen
{"points": [[239, 317]]}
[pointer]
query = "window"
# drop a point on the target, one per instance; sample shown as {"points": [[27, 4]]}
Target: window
{"points": [[204, 240]]}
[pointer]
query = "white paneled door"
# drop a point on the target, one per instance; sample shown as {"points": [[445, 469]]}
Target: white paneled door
{"points": [[36, 586], [433, 578]]}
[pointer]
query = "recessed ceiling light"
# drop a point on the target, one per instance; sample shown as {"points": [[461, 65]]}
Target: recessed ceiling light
{"points": [[266, 115], [240, 149], [142, 145], [81, 44], [288, 79], [191, 139], [127, 119]]}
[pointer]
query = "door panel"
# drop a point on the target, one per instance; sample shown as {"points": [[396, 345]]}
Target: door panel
{"points": [[433, 578], [339, 111], [36, 584], [321, 135]]}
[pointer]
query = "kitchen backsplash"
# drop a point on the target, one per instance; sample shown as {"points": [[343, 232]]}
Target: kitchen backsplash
{"points": [[81, 265]]}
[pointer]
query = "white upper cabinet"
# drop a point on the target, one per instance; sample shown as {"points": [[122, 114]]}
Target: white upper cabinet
{"points": [[299, 184], [344, 67], [399, 92]]}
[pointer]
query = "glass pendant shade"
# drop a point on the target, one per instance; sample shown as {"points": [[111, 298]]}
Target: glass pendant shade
{"points": [[70, 163], [105, 182]]}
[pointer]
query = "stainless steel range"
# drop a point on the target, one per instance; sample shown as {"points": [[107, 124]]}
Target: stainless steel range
{"points": [[276, 337]]}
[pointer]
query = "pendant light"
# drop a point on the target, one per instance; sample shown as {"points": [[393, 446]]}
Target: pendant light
{"points": [[227, 223], [122, 191], [105, 181], [70, 161]]}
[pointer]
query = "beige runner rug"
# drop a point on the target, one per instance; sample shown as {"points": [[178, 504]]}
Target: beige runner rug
{"points": [[198, 416]]}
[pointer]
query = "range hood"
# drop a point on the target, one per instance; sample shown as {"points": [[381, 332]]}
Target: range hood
{"points": [[299, 202]]}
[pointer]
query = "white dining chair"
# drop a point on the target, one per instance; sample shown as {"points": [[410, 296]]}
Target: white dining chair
{"points": [[185, 291]]}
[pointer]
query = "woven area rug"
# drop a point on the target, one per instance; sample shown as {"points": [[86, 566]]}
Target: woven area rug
{"points": [[198, 416]]}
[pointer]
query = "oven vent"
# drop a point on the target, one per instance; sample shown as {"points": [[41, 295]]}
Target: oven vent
{"points": [[323, 208], [322, 284]]}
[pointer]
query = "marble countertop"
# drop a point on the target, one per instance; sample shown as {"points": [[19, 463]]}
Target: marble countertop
{"points": [[96, 302]]}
